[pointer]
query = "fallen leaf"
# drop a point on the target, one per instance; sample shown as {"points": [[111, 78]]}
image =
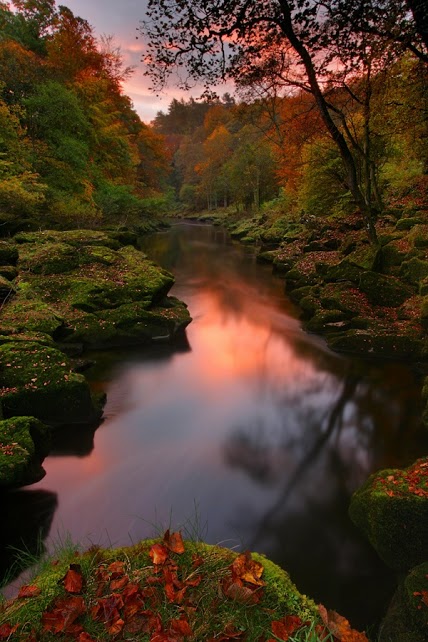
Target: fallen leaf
{"points": [[6, 630], [29, 591], [64, 613], [158, 554], [85, 637], [116, 626], [174, 542], [241, 594], [180, 627], [287, 625], [116, 569], [248, 569], [73, 579]]}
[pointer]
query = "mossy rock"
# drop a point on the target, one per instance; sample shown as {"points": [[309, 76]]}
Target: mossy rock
{"points": [[366, 257], [130, 324], [407, 616], [32, 337], [24, 443], [384, 290], [8, 253], [126, 587], [267, 256], [407, 223], [343, 271], [414, 270], [9, 272], [345, 297], [7, 289], [48, 258], [22, 315], [391, 509], [38, 381], [372, 343], [423, 287], [326, 320], [77, 238], [419, 236]]}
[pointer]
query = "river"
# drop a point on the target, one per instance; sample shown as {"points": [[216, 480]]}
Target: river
{"points": [[250, 433]]}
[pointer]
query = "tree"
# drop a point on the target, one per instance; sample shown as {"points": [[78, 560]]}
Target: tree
{"points": [[231, 39]]}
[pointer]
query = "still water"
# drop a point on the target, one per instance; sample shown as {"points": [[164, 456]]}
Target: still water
{"points": [[250, 433]]}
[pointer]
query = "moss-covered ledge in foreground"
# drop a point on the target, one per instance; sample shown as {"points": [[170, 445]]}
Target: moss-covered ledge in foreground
{"points": [[167, 590]]}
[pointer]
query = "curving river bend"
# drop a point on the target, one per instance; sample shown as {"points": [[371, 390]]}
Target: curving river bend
{"points": [[253, 434]]}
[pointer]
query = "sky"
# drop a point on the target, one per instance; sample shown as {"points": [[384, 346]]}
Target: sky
{"points": [[121, 18]]}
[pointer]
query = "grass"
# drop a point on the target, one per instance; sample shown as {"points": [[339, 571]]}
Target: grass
{"points": [[164, 590]]}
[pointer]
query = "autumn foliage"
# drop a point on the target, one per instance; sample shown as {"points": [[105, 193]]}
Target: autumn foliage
{"points": [[174, 594]]}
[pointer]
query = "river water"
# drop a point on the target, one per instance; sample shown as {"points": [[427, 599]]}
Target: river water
{"points": [[250, 433]]}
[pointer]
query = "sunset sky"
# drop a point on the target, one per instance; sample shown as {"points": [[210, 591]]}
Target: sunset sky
{"points": [[121, 19]]}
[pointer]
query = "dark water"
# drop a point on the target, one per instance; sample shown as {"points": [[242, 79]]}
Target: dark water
{"points": [[252, 435]]}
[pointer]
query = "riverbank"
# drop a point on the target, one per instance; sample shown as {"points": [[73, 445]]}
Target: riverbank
{"points": [[63, 293]]}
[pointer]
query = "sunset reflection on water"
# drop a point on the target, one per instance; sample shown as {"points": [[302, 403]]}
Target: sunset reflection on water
{"points": [[255, 435]]}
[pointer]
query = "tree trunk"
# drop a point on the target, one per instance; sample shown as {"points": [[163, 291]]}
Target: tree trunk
{"points": [[336, 134]]}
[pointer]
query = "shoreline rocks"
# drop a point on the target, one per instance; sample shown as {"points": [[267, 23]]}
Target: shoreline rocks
{"points": [[74, 290]]}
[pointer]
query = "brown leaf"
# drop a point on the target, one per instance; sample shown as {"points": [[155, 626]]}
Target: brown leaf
{"points": [[180, 627], [116, 626], [64, 613], [6, 630], [85, 637], [73, 579], [248, 569], [158, 554], [174, 542], [29, 591], [287, 625], [340, 627], [241, 594], [120, 583], [117, 569]]}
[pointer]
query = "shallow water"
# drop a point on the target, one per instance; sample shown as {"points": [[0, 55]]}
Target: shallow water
{"points": [[251, 434]]}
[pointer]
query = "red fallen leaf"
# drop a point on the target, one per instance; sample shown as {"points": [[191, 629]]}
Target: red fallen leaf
{"points": [[73, 579], [247, 569], [339, 626], [64, 613], [85, 637], [180, 627], [116, 569], [287, 625], [197, 561], [174, 542], [107, 608], [6, 630], [241, 594], [116, 626], [29, 591], [158, 553], [193, 581], [163, 637], [120, 583]]}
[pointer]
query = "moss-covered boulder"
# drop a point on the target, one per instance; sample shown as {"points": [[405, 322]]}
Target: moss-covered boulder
{"points": [[29, 315], [374, 343], [167, 590], [414, 270], [37, 380], [327, 320], [384, 290], [8, 253], [408, 223], [391, 509], [346, 297], [7, 289], [407, 616], [24, 443], [9, 272], [343, 271]]}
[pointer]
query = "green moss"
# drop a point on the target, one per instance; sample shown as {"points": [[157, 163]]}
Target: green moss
{"points": [[373, 343], [8, 253], [407, 616], [384, 290], [22, 315], [9, 272], [38, 381], [212, 613], [343, 271], [391, 508], [7, 289], [326, 320], [76, 238], [414, 270], [407, 223], [24, 442], [48, 258]]}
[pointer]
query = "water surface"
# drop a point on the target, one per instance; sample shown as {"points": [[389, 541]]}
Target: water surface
{"points": [[251, 433]]}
